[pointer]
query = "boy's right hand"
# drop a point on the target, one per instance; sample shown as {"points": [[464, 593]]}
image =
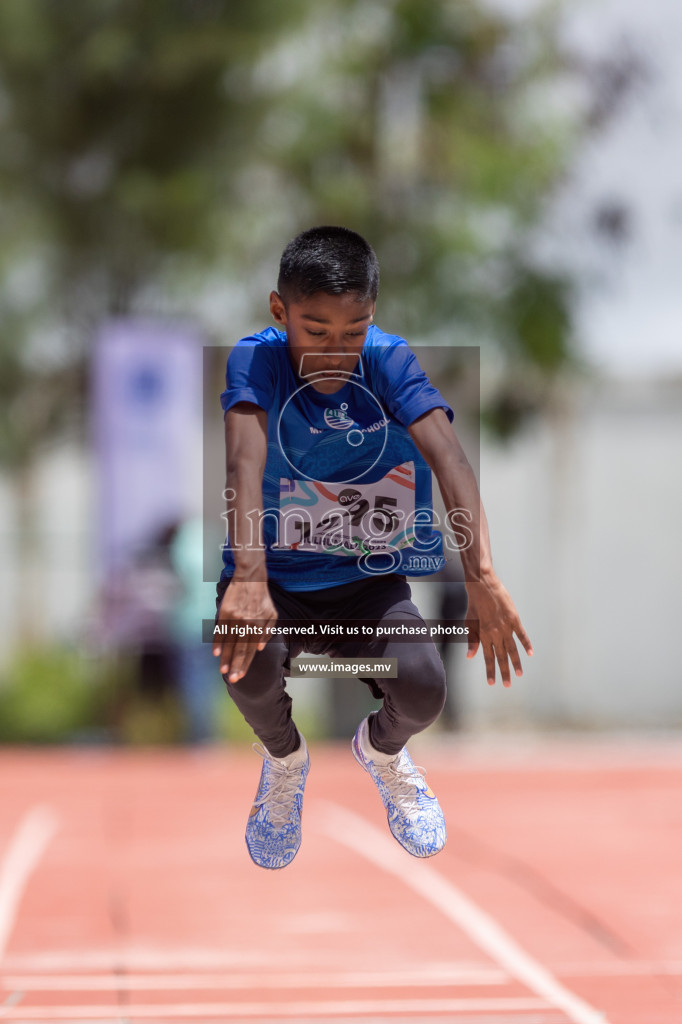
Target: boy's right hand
{"points": [[244, 603]]}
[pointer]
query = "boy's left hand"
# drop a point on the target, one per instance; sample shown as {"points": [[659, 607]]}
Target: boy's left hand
{"points": [[498, 619]]}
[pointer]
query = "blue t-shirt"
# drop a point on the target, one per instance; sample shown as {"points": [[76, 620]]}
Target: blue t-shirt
{"points": [[346, 493]]}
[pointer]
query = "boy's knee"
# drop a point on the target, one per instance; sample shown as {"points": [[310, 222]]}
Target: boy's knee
{"points": [[433, 692], [424, 676]]}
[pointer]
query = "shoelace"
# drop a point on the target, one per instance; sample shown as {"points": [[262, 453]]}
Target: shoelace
{"points": [[402, 779], [282, 787]]}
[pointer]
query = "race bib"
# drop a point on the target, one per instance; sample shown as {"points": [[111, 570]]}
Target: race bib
{"points": [[348, 519]]}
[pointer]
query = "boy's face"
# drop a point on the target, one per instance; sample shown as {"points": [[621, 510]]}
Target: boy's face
{"points": [[325, 335]]}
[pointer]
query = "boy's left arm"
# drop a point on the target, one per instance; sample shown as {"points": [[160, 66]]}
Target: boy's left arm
{"points": [[489, 602]]}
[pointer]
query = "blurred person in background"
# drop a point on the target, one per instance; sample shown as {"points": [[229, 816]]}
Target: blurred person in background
{"points": [[198, 680], [151, 613], [135, 622]]}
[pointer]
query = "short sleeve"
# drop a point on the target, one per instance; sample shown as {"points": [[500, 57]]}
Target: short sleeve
{"points": [[404, 388], [250, 375]]}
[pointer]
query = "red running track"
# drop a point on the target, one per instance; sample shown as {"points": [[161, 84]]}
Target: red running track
{"points": [[126, 892]]}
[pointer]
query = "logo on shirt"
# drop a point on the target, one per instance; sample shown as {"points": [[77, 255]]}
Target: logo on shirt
{"points": [[338, 419]]}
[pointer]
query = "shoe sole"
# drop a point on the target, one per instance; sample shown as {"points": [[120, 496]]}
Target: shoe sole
{"points": [[271, 867], [356, 753]]}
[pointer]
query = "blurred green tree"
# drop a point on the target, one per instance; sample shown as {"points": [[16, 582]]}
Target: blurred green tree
{"points": [[119, 135], [442, 131], [141, 141], [121, 131]]}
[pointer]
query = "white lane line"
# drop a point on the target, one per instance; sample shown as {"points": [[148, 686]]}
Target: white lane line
{"points": [[625, 969], [26, 847], [380, 849], [351, 979], [298, 1010], [196, 961], [205, 982]]}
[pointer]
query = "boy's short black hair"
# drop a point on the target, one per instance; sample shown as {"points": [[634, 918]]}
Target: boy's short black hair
{"points": [[327, 259]]}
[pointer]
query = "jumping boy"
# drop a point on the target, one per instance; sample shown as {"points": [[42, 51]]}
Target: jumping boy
{"points": [[332, 430]]}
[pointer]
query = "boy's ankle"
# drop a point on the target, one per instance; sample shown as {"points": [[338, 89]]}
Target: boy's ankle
{"points": [[297, 756], [369, 750]]}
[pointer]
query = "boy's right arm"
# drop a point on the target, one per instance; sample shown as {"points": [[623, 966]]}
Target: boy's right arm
{"points": [[247, 599]]}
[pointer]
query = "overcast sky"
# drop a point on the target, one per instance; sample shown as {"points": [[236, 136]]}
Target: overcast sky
{"points": [[631, 318], [630, 315]]}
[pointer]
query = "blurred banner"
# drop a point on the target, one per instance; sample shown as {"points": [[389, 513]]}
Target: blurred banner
{"points": [[147, 426]]}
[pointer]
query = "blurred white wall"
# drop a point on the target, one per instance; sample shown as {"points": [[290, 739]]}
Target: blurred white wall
{"points": [[585, 517], [585, 511]]}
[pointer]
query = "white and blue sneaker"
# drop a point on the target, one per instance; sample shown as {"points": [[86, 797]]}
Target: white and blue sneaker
{"points": [[273, 831], [414, 814]]}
